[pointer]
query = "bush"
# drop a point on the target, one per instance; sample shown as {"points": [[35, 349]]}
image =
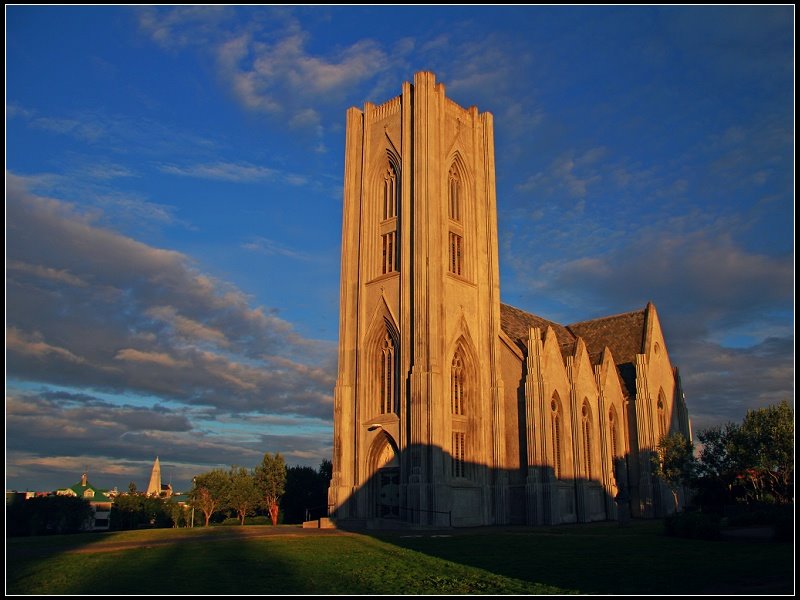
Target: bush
{"points": [[695, 525], [779, 517]]}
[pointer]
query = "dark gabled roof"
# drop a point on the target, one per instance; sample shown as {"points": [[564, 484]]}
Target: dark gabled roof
{"points": [[516, 323], [622, 334]]}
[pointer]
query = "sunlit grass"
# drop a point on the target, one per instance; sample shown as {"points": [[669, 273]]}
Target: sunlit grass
{"points": [[600, 559], [217, 562]]}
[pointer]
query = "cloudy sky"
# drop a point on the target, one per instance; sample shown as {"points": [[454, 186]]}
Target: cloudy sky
{"points": [[174, 190]]}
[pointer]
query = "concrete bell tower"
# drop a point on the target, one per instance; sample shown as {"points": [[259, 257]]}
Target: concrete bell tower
{"points": [[418, 421]]}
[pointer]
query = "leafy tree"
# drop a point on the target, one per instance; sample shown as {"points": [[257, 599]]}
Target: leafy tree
{"points": [[126, 512], [715, 475], [754, 458], [301, 493], [271, 478], [326, 473], [177, 513], [132, 488], [306, 494], [210, 492], [243, 492], [763, 450], [132, 511], [674, 462]]}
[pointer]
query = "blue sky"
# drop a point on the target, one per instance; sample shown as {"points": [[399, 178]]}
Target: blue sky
{"points": [[174, 189]]}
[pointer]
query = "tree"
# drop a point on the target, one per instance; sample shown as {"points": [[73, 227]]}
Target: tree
{"points": [[210, 492], [243, 492], [715, 475], [271, 478], [674, 462], [47, 514], [326, 472], [177, 513], [131, 511], [132, 488], [762, 449], [306, 494]]}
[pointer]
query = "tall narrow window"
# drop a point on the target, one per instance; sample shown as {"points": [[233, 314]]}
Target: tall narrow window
{"points": [[388, 260], [612, 425], [586, 425], [556, 434], [387, 376], [389, 194], [454, 194], [458, 452], [457, 386], [662, 418], [456, 254]]}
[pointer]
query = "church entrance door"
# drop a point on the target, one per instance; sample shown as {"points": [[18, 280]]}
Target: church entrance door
{"points": [[389, 493]]}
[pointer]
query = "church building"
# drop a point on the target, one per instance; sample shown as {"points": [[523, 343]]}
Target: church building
{"points": [[450, 407]]}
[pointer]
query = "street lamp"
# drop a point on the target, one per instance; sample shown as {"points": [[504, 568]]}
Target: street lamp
{"points": [[194, 482]]}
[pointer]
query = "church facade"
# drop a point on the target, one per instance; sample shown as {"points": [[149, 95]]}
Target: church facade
{"points": [[450, 407]]}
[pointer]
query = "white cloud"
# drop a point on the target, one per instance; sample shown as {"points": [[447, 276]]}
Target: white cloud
{"points": [[158, 358], [120, 315], [59, 275], [242, 172], [567, 175], [272, 248], [708, 292], [283, 77], [33, 345]]}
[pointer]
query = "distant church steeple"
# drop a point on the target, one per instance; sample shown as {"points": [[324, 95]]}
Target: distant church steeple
{"points": [[154, 487]]}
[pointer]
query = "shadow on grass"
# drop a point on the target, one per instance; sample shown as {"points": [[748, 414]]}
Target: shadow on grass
{"points": [[597, 558], [603, 558], [239, 562]]}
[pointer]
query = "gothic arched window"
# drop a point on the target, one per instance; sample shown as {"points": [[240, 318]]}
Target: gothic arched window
{"points": [[461, 415], [457, 385], [454, 194], [388, 222], [612, 426], [388, 375], [456, 254], [389, 194], [663, 428], [555, 431], [586, 426]]}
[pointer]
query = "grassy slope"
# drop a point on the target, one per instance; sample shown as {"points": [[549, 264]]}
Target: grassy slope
{"points": [[588, 559]]}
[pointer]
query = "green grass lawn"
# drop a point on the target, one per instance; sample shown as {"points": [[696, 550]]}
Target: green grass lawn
{"points": [[586, 559]]}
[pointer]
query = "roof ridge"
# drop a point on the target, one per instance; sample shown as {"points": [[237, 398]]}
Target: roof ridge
{"points": [[606, 318], [527, 312]]}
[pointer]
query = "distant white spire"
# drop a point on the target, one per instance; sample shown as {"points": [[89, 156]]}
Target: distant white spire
{"points": [[154, 487]]}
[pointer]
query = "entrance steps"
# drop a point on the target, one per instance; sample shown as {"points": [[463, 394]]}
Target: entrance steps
{"points": [[321, 523]]}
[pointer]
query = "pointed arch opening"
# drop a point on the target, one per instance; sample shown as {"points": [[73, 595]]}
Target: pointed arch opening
{"points": [[587, 435], [381, 381], [386, 211], [661, 412], [613, 428], [388, 375], [389, 193], [557, 435], [455, 193], [463, 410], [457, 211], [383, 467]]}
